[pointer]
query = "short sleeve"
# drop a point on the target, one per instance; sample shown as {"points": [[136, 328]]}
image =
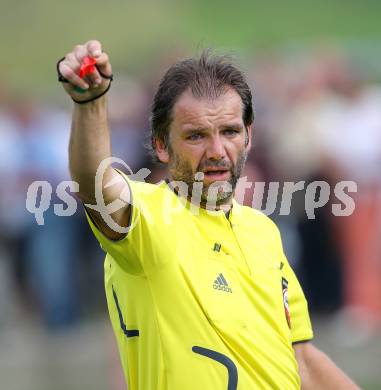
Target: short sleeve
{"points": [[300, 323], [301, 328], [123, 250]]}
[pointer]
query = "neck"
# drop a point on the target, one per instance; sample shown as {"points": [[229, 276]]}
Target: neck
{"points": [[225, 205], [195, 199]]}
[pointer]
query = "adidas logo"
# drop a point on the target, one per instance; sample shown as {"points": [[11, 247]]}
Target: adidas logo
{"points": [[221, 284]]}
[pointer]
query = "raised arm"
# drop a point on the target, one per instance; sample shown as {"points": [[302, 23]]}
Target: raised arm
{"points": [[90, 136]]}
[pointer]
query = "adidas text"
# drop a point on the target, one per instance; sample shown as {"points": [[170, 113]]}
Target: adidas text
{"points": [[223, 288]]}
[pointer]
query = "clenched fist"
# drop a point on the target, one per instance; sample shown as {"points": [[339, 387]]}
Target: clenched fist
{"points": [[92, 85]]}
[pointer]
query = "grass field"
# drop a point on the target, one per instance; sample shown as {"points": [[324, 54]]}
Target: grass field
{"points": [[35, 33]]}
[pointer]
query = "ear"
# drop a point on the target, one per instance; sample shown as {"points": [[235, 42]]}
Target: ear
{"points": [[248, 139], [161, 151]]}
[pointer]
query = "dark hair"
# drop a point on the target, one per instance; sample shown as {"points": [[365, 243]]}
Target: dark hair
{"points": [[207, 76]]}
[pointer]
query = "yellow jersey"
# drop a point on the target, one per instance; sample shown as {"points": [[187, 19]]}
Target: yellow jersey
{"points": [[202, 300]]}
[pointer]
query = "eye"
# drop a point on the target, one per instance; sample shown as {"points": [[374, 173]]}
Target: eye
{"points": [[195, 136], [230, 132]]}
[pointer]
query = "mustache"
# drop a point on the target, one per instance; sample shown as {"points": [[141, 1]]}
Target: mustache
{"points": [[214, 164]]}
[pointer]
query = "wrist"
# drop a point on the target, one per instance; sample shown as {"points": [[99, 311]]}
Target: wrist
{"points": [[93, 98], [92, 105]]}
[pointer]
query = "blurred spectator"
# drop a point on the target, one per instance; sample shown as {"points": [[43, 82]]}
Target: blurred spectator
{"points": [[34, 148], [326, 125], [353, 146], [316, 119], [128, 115]]}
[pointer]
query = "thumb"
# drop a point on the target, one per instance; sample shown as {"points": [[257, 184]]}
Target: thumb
{"points": [[103, 64], [94, 48]]}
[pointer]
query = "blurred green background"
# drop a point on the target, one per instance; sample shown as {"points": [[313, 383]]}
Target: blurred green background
{"points": [[142, 39], [33, 34]]}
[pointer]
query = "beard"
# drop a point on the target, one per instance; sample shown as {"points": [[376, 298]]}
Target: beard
{"points": [[216, 193]]}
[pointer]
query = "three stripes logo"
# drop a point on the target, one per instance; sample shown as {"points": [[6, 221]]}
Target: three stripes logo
{"points": [[221, 284]]}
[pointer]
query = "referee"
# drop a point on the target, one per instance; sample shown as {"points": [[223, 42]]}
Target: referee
{"points": [[199, 291]]}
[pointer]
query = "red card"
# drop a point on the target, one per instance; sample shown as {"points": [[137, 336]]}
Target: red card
{"points": [[87, 67]]}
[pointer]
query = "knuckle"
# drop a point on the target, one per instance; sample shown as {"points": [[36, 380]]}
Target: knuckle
{"points": [[61, 67], [94, 46], [93, 43], [73, 61], [79, 50], [67, 71]]}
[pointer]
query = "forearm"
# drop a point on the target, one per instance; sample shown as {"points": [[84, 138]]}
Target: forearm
{"points": [[317, 371], [90, 137], [89, 144]]}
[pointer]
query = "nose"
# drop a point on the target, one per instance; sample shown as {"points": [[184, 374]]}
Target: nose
{"points": [[215, 148]]}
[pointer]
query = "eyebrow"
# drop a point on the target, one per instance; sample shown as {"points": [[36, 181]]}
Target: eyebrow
{"points": [[195, 130], [230, 126], [233, 126]]}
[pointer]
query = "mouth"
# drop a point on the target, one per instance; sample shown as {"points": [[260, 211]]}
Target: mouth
{"points": [[216, 174]]}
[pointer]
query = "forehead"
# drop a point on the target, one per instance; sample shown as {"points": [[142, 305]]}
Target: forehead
{"points": [[191, 111]]}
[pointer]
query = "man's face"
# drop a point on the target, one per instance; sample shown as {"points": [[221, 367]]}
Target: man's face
{"points": [[208, 136]]}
